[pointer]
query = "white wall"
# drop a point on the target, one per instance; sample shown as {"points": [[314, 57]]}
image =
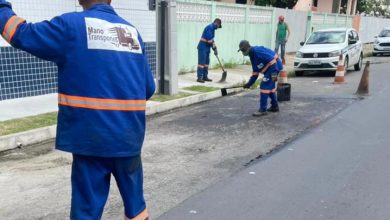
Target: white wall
{"points": [[296, 21], [370, 27], [135, 11]]}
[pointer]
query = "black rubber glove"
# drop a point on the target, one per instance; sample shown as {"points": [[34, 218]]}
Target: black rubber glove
{"points": [[247, 86], [215, 50]]}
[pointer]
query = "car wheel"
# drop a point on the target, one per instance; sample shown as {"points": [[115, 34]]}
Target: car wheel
{"points": [[358, 66], [374, 54], [298, 73], [346, 65]]}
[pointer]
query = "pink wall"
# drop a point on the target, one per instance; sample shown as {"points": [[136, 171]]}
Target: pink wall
{"points": [[325, 6], [304, 5]]}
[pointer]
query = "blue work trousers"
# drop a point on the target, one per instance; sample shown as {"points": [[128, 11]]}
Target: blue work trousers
{"points": [[267, 89], [91, 185], [203, 62], [282, 45]]}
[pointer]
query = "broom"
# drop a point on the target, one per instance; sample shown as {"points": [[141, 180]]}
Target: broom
{"points": [[224, 90], [224, 73]]}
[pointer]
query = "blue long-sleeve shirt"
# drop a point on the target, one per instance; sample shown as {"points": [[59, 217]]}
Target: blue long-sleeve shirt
{"points": [[104, 78], [207, 38], [260, 56]]}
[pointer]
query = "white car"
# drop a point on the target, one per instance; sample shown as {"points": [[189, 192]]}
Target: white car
{"points": [[382, 43], [322, 50]]}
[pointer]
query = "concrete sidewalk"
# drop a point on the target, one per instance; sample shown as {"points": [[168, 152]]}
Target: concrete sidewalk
{"points": [[30, 106], [19, 108]]}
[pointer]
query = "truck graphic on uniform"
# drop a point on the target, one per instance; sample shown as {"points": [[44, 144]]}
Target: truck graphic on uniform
{"points": [[125, 38]]}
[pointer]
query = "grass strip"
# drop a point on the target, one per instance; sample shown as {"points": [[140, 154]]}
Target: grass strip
{"points": [[28, 123], [201, 88], [164, 98]]}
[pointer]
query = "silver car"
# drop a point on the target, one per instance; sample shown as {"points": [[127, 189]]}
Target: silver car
{"points": [[382, 43]]}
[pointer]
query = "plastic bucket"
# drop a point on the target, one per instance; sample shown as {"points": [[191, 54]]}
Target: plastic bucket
{"points": [[284, 92]]}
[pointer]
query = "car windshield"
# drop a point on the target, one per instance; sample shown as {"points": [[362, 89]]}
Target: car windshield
{"points": [[385, 33], [328, 37]]}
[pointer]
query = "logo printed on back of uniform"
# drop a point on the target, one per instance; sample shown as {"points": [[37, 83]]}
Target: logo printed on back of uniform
{"points": [[104, 35], [261, 65]]}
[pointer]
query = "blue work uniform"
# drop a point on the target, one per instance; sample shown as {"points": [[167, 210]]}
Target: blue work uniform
{"points": [[204, 46], [265, 61], [104, 81]]}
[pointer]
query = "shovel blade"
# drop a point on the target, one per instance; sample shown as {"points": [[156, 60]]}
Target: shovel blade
{"points": [[224, 75], [224, 92]]}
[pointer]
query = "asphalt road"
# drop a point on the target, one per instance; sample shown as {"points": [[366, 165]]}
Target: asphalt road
{"points": [[185, 151], [339, 170]]}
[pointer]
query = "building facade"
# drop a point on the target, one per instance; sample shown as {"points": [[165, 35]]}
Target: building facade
{"points": [[328, 6], [248, 2]]}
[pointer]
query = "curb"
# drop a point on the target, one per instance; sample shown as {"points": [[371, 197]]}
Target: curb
{"points": [[13, 141]]}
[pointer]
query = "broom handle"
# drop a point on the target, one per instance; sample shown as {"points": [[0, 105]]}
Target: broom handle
{"points": [[234, 87], [219, 62]]}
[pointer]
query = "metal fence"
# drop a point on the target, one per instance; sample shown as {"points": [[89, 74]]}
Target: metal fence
{"points": [[22, 74]]}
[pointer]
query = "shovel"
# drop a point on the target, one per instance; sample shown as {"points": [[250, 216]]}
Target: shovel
{"points": [[224, 73], [224, 90]]}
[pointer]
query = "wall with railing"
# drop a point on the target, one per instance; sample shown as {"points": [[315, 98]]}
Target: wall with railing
{"points": [[23, 75], [253, 23], [321, 20], [238, 22]]}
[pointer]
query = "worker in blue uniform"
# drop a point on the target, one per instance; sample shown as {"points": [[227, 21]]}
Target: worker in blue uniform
{"points": [[205, 43], [264, 61], [104, 81]]}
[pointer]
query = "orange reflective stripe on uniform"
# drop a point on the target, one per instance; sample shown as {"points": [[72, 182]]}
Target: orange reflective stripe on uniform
{"points": [[201, 66], [102, 104], [10, 27], [272, 62], [267, 91], [255, 73], [207, 41], [142, 216]]}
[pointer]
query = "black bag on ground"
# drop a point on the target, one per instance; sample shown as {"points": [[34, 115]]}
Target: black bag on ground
{"points": [[284, 92]]}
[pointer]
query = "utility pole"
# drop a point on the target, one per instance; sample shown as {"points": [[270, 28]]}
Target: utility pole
{"points": [[167, 76]]}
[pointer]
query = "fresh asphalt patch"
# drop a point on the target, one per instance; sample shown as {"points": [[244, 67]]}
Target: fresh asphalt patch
{"points": [[185, 151], [194, 147]]}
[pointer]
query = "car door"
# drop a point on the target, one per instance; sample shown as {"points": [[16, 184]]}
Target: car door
{"points": [[351, 49], [358, 46]]}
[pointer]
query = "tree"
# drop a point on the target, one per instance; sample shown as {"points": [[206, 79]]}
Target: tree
{"points": [[265, 2], [378, 8], [277, 3], [361, 6]]}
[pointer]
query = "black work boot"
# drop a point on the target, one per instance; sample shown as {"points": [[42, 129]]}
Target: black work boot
{"points": [[273, 109], [207, 79], [200, 80], [259, 114]]}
